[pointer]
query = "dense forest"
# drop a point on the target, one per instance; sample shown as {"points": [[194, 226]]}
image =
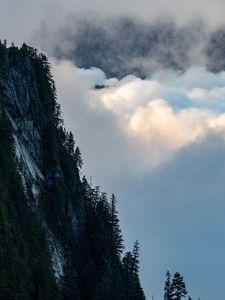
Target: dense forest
{"points": [[60, 237]]}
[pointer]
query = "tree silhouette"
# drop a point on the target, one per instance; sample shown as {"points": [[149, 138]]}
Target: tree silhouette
{"points": [[167, 288], [178, 288]]}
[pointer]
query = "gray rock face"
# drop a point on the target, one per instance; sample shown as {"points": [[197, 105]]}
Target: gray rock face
{"points": [[26, 111], [21, 96]]}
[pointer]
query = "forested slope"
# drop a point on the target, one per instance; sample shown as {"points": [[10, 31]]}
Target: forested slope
{"points": [[59, 237]]}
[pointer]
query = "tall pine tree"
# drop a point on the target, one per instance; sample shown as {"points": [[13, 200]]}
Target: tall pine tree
{"points": [[167, 288], [178, 288]]}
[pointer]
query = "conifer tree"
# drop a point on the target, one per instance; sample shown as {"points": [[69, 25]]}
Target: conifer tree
{"points": [[69, 283], [133, 287], [78, 158], [178, 288], [87, 192], [135, 255], [70, 143], [116, 231], [128, 274], [167, 288]]}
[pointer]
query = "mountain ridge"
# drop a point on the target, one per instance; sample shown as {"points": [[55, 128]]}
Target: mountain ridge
{"points": [[72, 246]]}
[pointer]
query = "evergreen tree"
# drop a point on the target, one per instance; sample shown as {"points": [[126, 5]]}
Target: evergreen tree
{"points": [[117, 239], [87, 192], [167, 288], [178, 288], [128, 275], [70, 143], [135, 255], [58, 116], [78, 158], [133, 289], [69, 283]]}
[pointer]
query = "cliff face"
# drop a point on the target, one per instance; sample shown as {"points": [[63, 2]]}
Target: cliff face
{"points": [[29, 103], [63, 234], [22, 105]]}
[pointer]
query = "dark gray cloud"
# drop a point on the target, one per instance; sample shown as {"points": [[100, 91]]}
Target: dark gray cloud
{"points": [[125, 45], [119, 37], [121, 46]]}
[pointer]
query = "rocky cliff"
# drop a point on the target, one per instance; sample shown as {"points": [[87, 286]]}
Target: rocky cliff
{"points": [[59, 236]]}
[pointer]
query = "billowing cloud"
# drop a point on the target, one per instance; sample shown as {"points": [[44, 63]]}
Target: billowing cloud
{"points": [[159, 144], [165, 117], [119, 37], [161, 117]]}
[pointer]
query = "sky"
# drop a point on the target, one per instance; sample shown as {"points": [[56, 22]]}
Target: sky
{"points": [[157, 143], [160, 145]]}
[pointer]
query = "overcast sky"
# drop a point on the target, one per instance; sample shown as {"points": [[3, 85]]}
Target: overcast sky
{"points": [[158, 144], [19, 19]]}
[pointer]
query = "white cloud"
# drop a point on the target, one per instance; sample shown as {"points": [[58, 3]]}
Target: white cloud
{"points": [[154, 119], [164, 117], [96, 77], [194, 77]]}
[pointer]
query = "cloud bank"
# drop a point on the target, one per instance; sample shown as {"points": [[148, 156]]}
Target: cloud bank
{"points": [[159, 143], [120, 37], [124, 45], [162, 114]]}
